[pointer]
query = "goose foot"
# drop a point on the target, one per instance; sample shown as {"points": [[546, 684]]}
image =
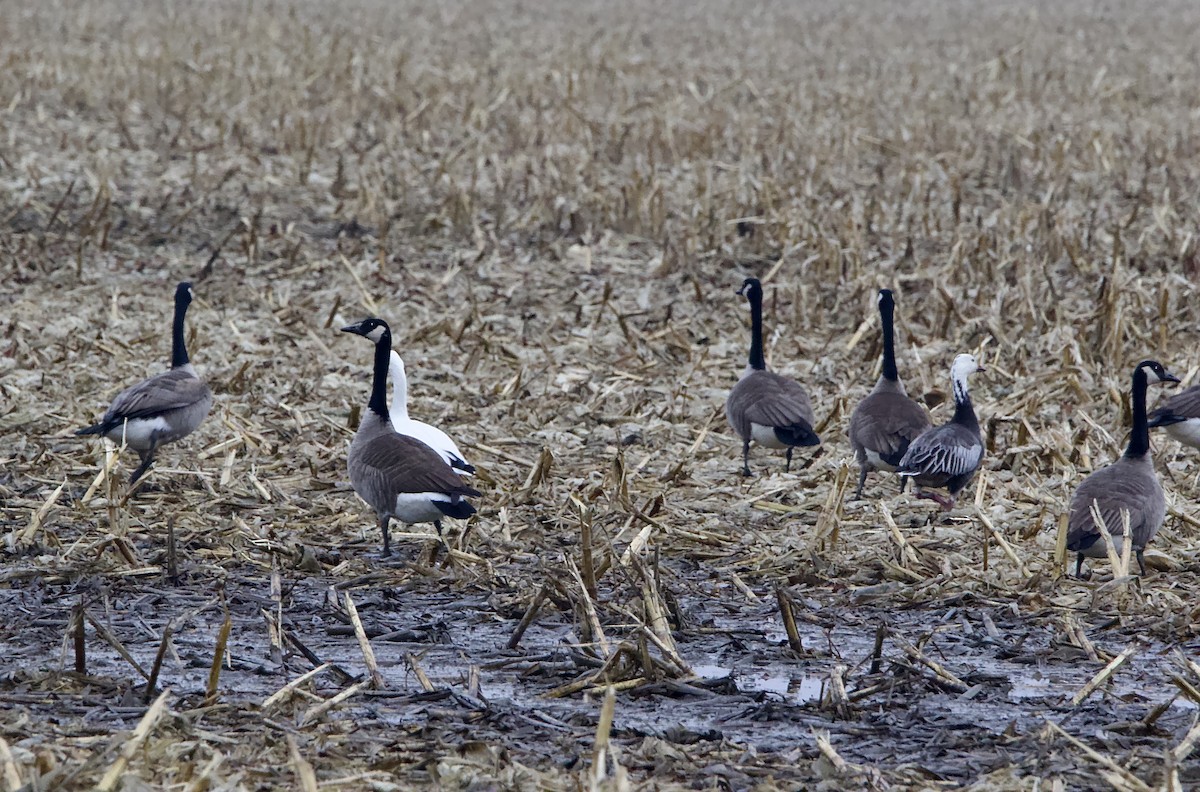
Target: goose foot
{"points": [[945, 501]]}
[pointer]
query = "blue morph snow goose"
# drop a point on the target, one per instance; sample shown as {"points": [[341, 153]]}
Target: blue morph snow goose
{"points": [[947, 456], [163, 408], [885, 423], [397, 475], [768, 408], [1127, 485]]}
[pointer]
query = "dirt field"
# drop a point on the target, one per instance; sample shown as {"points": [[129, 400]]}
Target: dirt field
{"points": [[553, 204]]}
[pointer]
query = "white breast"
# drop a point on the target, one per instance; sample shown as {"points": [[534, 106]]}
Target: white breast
{"points": [[139, 432]]}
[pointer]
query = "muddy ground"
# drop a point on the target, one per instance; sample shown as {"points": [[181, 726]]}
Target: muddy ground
{"points": [[553, 207]]}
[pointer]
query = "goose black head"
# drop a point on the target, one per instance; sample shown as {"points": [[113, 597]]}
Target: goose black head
{"points": [[183, 294], [1155, 371], [370, 327], [751, 288]]}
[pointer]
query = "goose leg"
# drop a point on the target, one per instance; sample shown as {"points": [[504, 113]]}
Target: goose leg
{"points": [[746, 458], [1079, 565], [1141, 562], [387, 539], [862, 480], [788, 467], [903, 483], [147, 461]]}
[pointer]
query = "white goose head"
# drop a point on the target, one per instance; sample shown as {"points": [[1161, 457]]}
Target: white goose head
{"points": [[964, 365]]}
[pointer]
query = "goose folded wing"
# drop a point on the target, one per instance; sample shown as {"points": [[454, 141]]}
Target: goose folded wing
{"points": [[948, 450], [889, 428], [171, 390], [1180, 407], [1114, 495], [398, 464], [779, 401]]}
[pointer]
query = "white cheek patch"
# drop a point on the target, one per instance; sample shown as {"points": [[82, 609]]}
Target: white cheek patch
{"points": [[376, 334]]}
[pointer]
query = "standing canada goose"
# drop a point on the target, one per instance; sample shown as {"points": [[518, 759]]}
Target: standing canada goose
{"points": [[161, 409], [886, 421], [1127, 485], [768, 408], [1180, 416], [429, 435], [397, 475], [947, 456]]}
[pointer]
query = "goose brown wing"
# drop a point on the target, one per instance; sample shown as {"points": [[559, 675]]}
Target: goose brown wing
{"points": [[887, 423], [949, 450], [171, 390], [770, 399], [392, 464], [1180, 407], [1119, 487]]}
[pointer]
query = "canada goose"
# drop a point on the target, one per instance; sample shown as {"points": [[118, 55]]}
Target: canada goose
{"points": [[429, 435], [161, 409], [1127, 485], [397, 475], [947, 456], [886, 421], [1180, 416], [768, 408]]}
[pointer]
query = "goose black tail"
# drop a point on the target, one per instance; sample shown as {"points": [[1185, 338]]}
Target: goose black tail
{"points": [[91, 430], [798, 434], [459, 509]]}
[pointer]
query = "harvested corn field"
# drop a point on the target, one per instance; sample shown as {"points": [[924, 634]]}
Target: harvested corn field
{"points": [[553, 206]]}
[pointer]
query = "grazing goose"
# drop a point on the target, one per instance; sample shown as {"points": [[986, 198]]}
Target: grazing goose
{"points": [[886, 421], [1180, 416], [429, 435], [1127, 485], [768, 408], [161, 409], [947, 456], [397, 475]]}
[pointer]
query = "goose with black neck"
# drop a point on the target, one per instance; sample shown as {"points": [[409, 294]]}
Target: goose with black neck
{"points": [[1127, 486], [399, 476], [887, 421], [768, 408], [164, 408]]}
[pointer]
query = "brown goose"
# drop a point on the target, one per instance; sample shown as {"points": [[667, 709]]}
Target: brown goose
{"points": [[161, 409], [1127, 485], [1180, 416], [397, 475], [947, 456], [884, 423], [768, 408]]}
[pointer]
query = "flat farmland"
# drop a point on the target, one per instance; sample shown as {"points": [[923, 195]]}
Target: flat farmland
{"points": [[553, 205]]}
